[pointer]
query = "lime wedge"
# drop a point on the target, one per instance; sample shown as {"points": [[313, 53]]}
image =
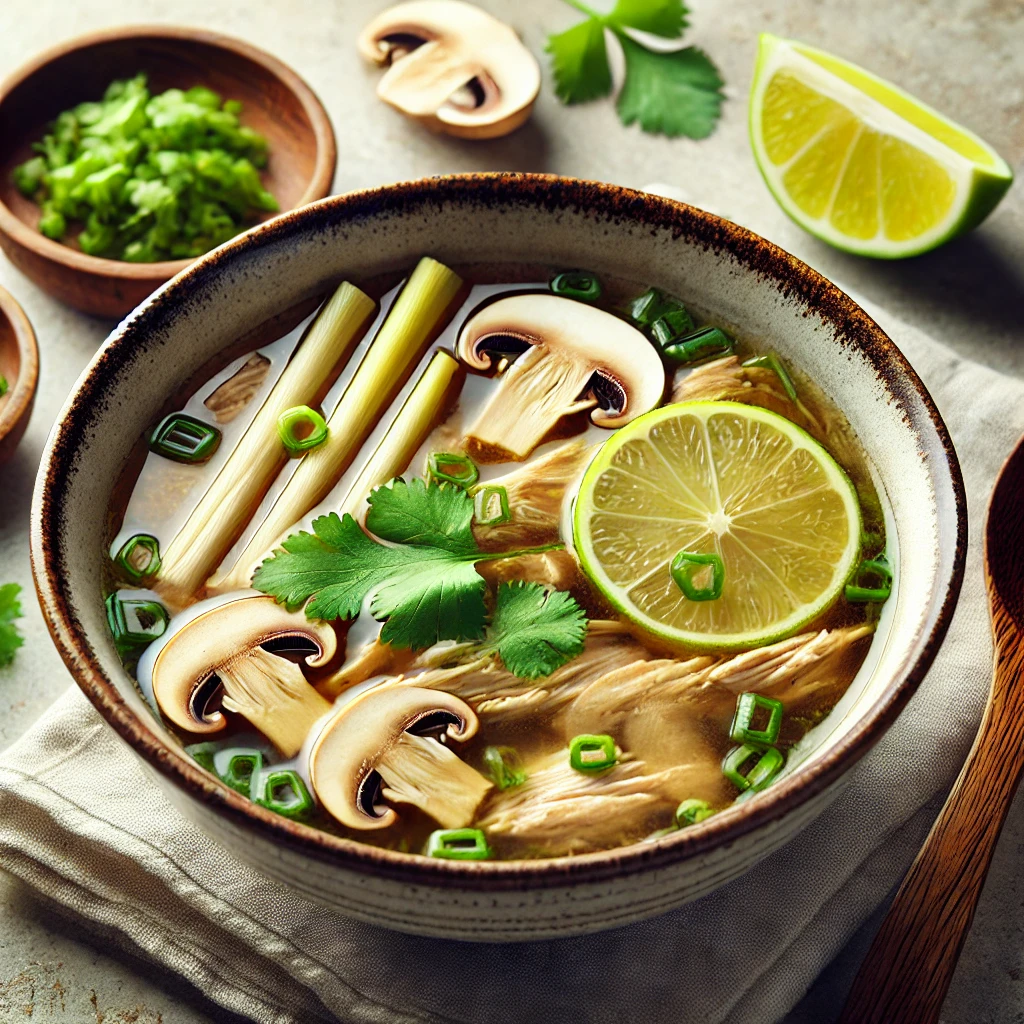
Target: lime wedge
{"points": [[861, 164], [725, 478]]}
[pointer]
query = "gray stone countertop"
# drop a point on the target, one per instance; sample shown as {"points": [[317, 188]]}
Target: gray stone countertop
{"points": [[965, 57]]}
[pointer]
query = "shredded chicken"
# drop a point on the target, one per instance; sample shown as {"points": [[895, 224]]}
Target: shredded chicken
{"points": [[729, 380], [500, 696], [791, 671], [559, 809], [231, 397], [535, 495]]}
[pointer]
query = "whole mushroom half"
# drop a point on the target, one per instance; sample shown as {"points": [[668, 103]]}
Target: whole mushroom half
{"points": [[453, 67], [220, 659], [578, 357], [381, 746]]}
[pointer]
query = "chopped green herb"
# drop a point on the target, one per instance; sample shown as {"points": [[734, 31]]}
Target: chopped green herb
{"points": [[490, 506], [459, 844], [871, 582], [699, 575], [139, 557], [577, 284], [423, 585], [692, 811], [10, 609], [535, 630], [301, 429], [677, 92], [453, 468], [282, 791], [149, 177], [238, 767], [3, 385], [592, 753], [503, 767]]}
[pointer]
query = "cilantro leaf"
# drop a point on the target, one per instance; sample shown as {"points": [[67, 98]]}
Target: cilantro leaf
{"points": [[666, 18], [337, 563], [676, 93], [579, 59], [426, 514], [535, 630], [10, 609], [426, 594], [437, 597]]}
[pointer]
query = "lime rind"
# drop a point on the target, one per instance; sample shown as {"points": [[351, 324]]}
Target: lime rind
{"points": [[779, 630], [979, 185]]}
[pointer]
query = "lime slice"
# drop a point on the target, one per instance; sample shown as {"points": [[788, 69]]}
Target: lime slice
{"points": [[719, 477], [861, 164]]}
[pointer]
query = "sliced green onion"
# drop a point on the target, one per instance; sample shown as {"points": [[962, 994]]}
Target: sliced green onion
{"points": [[3, 385], [139, 557], [183, 438], [301, 428], [458, 844], [237, 767], [577, 284], [504, 767], [646, 309], [672, 325], [490, 506], [767, 765], [878, 568], [772, 362], [453, 468], [707, 343], [202, 754], [699, 575], [592, 753], [742, 729], [282, 791], [689, 812], [135, 623]]}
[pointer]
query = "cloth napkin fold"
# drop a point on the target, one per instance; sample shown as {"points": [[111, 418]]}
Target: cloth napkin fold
{"points": [[82, 822]]}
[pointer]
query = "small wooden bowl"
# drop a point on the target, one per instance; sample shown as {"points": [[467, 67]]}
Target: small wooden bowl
{"points": [[275, 101], [19, 365]]}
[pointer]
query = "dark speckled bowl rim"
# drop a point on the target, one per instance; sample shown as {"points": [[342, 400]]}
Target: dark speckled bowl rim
{"points": [[509, 190]]}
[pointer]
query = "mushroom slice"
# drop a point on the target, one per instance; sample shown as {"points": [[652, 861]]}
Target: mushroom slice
{"points": [[453, 67], [377, 746], [225, 644], [579, 357]]}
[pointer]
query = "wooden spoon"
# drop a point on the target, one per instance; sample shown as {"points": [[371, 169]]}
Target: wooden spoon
{"points": [[904, 977]]}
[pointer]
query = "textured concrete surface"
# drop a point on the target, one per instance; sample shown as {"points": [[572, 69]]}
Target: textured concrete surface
{"points": [[964, 56]]}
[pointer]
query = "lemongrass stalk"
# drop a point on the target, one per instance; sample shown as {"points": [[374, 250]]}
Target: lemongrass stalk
{"points": [[223, 511], [398, 346], [423, 409]]}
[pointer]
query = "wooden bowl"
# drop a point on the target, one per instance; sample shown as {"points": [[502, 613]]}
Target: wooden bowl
{"points": [[275, 101], [19, 365]]}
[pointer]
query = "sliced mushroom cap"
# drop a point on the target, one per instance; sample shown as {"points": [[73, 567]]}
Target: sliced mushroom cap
{"points": [[580, 357], [453, 67], [212, 643], [371, 747]]}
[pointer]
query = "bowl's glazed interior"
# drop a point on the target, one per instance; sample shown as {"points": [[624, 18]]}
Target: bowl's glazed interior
{"points": [[766, 295]]}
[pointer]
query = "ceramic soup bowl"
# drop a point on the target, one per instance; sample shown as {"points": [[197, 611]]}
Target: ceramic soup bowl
{"points": [[742, 280]]}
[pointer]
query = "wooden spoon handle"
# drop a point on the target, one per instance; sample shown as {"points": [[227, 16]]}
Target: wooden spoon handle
{"points": [[905, 975]]}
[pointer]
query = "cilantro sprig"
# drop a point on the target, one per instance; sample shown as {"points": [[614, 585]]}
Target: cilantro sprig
{"points": [[672, 92], [534, 630], [418, 572], [10, 609]]}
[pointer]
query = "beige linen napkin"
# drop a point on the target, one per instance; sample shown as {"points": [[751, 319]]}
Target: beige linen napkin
{"points": [[82, 822]]}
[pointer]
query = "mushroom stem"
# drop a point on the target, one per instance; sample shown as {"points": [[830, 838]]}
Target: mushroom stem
{"points": [[274, 696], [541, 386], [421, 771]]}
